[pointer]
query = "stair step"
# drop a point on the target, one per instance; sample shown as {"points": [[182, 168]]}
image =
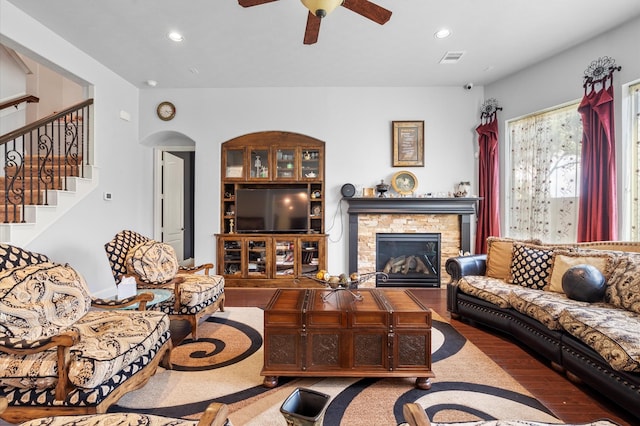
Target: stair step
{"points": [[56, 159], [32, 170], [14, 214], [34, 197], [31, 183]]}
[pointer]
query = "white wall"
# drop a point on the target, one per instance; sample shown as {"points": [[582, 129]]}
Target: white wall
{"points": [[355, 123], [558, 80], [54, 91], [125, 165], [13, 85]]}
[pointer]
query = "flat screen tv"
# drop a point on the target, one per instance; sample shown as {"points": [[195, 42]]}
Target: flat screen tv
{"points": [[272, 210]]}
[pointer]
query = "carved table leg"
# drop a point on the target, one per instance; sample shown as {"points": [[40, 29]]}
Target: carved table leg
{"points": [[270, 382], [423, 383]]}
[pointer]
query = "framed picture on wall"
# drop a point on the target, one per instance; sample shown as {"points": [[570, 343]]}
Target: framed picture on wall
{"points": [[408, 144]]}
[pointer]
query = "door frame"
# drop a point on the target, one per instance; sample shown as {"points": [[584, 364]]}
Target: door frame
{"points": [[157, 185]]}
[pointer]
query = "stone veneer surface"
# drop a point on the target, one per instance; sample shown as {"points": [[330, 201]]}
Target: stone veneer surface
{"points": [[447, 225]]}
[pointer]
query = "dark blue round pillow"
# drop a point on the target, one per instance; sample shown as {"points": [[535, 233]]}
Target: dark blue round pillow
{"points": [[584, 283]]}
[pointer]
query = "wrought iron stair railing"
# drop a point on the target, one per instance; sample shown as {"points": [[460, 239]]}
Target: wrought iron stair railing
{"points": [[40, 157]]}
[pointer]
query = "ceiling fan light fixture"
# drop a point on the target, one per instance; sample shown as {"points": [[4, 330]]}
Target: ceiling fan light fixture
{"points": [[321, 8]]}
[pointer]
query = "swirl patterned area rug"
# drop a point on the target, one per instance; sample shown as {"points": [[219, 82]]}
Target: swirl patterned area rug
{"points": [[224, 366]]}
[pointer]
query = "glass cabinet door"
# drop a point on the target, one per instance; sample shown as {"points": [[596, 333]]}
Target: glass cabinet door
{"points": [[286, 163], [232, 258], [259, 164], [234, 164], [310, 256], [285, 258], [311, 164], [257, 258]]}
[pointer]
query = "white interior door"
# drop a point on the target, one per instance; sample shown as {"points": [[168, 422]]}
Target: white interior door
{"points": [[173, 203]]}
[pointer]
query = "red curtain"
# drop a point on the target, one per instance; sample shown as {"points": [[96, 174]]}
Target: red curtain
{"points": [[597, 209], [489, 185]]}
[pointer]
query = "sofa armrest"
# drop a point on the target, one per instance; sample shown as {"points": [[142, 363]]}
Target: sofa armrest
{"points": [[18, 346], [61, 342], [458, 267], [415, 415], [140, 299], [215, 415], [206, 267]]}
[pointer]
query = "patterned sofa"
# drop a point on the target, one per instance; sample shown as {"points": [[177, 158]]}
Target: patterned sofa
{"points": [[153, 264], [59, 354], [517, 289]]}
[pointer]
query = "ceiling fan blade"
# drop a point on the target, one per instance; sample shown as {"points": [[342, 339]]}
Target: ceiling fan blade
{"points": [[369, 10], [313, 29], [249, 3]]}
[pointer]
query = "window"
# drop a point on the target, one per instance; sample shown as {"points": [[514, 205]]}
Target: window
{"points": [[634, 92], [543, 186]]}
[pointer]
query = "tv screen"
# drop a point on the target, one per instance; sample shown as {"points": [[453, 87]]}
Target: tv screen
{"points": [[272, 210]]}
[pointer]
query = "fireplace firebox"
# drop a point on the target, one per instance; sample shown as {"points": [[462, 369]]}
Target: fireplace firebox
{"points": [[409, 260]]}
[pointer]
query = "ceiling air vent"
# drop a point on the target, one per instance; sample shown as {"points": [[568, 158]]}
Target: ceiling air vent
{"points": [[451, 57]]}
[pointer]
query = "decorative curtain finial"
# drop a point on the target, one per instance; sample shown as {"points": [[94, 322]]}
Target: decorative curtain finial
{"points": [[599, 69], [489, 107]]}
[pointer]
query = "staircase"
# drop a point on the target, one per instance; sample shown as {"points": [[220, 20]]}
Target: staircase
{"points": [[46, 172]]}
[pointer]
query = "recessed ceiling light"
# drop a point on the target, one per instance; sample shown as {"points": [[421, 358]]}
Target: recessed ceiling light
{"points": [[152, 83], [175, 36], [443, 33]]}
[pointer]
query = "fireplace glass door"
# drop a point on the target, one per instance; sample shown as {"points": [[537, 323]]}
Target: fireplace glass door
{"points": [[410, 260]]}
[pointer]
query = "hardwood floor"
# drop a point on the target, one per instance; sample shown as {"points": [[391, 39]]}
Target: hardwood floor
{"points": [[569, 402]]}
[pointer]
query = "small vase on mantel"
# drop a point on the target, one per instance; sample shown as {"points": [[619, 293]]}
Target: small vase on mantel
{"points": [[382, 188]]}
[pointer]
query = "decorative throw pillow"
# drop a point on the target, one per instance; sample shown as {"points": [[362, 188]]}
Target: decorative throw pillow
{"points": [[500, 255], [584, 283], [118, 248], [40, 300], [153, 262], [563, 260], [531, 265], [623, 289], [13, 257]]}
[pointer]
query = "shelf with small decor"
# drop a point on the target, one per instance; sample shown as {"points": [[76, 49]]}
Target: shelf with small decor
{"points": [[272, 197]]}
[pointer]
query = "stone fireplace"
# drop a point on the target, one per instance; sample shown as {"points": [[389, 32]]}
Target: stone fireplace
{"points": [[368, 217]]}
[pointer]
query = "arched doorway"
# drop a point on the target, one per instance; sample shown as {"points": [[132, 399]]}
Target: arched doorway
{"points": [[174, 188]]}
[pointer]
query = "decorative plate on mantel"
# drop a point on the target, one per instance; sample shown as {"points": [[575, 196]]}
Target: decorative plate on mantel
{"points": [[404, 182]]}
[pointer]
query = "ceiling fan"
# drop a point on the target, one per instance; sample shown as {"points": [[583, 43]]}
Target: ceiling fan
{"points": [[318, 9]]}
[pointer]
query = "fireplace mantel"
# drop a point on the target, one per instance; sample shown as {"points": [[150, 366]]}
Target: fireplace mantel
{"points": [[464, 207]]}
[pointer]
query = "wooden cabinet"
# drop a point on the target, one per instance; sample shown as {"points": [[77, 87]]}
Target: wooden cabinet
{"points": [[271, 161], [310, 332], [270, 258]]}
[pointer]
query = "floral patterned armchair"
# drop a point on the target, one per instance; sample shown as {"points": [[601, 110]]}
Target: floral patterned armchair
{"points": [[153, 264], [58, 353]]}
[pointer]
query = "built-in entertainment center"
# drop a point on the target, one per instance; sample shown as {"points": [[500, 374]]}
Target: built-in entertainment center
{"points": [[271, 210]]}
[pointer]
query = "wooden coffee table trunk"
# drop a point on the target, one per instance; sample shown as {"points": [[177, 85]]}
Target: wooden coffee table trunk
{"points": [[319, 333]]}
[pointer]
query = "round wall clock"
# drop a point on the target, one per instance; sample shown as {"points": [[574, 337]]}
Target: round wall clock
{"points": [[166, 111], [348, 190], [404, 183]]}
